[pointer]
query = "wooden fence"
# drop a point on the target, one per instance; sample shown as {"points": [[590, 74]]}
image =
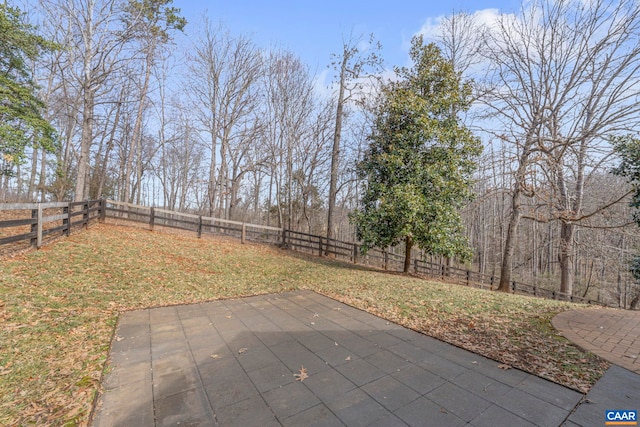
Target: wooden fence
{"points": [[32, 222], [387, 260], [199, 224]]}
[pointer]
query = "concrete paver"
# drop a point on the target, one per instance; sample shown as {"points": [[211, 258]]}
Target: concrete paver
{"points": [[617, 389], [232, 363]]}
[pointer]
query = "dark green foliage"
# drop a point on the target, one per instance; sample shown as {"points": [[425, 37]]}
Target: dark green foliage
{"points": [[153, 19], [628, 149], [21, 112], [418, 168]]}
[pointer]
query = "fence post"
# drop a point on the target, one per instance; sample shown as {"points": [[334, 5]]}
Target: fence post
{"points": [[66, 221], [284, 237], [199, 226], [243, 235], [513, 286], [491, 282], [468, 277], [386, 259], [442, 270], [85, 215], [355, 253], [34, 227], [39, 233], [152, 220], [103, 209], [415, 265], [320, 246]]}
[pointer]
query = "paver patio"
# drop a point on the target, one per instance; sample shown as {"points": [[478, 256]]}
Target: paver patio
{"points": [[234, 363], [613, 335]]}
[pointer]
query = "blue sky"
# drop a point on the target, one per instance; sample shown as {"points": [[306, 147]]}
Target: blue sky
{"points": [[315, 29]]}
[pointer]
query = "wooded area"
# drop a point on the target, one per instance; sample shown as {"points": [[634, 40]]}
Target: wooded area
{"points": [[220, 128]]}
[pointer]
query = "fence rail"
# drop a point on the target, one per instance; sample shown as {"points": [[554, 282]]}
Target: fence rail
{"points": [[199, 224], [33, 222]]}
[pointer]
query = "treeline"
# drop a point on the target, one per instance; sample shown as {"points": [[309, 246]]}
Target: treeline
{"points": [[153, 110]]}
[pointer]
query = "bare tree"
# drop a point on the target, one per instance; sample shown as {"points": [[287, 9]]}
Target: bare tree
{"points": [[288, 107], [150, 23], [461, 39], [354, 65], [95, 39], [225, 73], [563, 78]]}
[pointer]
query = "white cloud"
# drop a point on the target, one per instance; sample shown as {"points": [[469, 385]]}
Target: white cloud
{"points": [[432, 28]]}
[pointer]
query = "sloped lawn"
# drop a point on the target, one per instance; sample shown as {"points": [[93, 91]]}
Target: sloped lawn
{"points": [[59, 307]]}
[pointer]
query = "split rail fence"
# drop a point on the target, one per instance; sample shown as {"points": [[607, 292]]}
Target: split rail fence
{"points": [[37, 223], [33, 224]]}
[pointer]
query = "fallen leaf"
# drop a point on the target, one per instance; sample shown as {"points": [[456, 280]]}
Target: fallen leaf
{"points": [[503, 366], [348, 358], [215, 356], [242, 350], [302, 375], [444, 411]]}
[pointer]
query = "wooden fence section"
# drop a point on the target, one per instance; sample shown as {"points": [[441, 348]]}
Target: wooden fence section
{"points": [[199, 224], [387, 260], [346, 251], [487, 281], [31, 224]]}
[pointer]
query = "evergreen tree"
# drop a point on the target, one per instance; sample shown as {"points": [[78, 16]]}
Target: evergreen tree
{"points": [[417, 171], [21, 120], [628, 149]]}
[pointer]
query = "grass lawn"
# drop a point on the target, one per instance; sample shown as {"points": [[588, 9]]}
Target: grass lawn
{"points": [[59, 307]]}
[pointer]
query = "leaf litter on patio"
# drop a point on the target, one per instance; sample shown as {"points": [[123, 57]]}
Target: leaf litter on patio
{"points": [[302, 375]]}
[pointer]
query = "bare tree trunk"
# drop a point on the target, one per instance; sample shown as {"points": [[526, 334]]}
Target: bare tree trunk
{"points": [[81, 190], [516, 214], [566, 258], [32, 176], [335, 152], [509, 245], [212, 187], [43, 177], [137, 129]]}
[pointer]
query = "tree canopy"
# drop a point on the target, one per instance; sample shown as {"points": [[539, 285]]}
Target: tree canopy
{"points": [[21, 111], [417, 171]]}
